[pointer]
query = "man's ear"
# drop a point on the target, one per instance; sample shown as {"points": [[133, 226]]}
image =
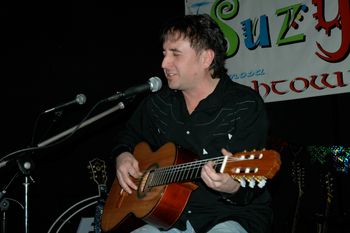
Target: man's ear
{"points": [[208, 57]]}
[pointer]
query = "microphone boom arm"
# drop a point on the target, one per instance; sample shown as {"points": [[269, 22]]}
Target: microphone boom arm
{"points": [[120, 105]]}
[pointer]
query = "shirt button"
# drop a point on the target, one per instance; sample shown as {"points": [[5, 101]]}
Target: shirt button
{"points": [[187, 132], [189, 211]]}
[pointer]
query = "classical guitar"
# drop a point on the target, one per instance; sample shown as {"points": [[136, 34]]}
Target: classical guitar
{"points": [[99, 175], [165, 187], [76, 213]]}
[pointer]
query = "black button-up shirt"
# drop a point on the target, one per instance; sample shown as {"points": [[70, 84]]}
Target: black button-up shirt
{"points": [[232, 117]]}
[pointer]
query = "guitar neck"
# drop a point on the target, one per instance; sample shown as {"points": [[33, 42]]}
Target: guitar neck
{"points": [[179, 173], [249, 166]]}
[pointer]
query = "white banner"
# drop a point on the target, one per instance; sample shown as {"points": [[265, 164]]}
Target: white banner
{"points": [[285, 49]]}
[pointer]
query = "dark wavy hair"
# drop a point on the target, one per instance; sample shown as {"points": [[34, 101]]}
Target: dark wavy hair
{"points": [[203, 33]]}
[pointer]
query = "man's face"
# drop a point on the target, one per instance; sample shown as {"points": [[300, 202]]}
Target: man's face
{"points": [[182, 65]]}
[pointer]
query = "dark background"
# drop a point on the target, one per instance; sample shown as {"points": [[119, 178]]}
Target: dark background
{"points": [[53, 50]]}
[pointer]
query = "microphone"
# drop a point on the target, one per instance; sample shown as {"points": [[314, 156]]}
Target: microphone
{"points": [[153, 84], [79, 99]]}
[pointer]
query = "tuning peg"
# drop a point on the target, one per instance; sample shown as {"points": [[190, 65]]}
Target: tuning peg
{"points": [[251, 182], [261, 181], [240, 179], [243, 183]]}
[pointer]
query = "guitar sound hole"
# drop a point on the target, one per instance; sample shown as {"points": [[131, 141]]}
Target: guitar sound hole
{"points": [[145, 183]]}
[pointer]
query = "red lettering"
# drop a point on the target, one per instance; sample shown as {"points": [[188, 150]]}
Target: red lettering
{"points": [[340, 80], [274, 87], [299, 84], [256, 86], [325, 82], [342, 21], [313, 83], [292, 84]]}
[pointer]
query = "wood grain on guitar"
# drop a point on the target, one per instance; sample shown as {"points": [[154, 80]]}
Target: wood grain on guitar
{"points": [[167, 182]]}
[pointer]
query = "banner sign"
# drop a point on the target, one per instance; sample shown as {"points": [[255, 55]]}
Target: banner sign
{"points": [[285, 49]]}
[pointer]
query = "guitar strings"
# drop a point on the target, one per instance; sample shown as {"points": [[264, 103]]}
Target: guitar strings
{"points": [[184, 172], [187, 171]]}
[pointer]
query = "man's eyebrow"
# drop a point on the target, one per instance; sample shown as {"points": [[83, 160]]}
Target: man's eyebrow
{"points": [[175, 50]]}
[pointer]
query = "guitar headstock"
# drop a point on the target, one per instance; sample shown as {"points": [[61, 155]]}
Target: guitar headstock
{"points": [[98, 170], [253, 167], [99, 175]]}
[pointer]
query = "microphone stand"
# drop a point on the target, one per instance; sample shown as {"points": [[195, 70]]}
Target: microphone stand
{"points": [[26, 165], [4, 205], [120, 105]]}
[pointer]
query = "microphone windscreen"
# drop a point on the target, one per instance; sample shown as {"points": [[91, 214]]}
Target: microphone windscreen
{"points": [[81, 99], [155, 84]]}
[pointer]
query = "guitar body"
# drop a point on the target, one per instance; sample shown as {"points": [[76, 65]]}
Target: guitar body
{"points": [[165, 186], [160, 206]]}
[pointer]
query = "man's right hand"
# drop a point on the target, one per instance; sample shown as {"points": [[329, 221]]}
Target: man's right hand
{"points": [[127, 169]]}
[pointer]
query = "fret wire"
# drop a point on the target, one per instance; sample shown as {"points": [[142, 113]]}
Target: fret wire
{"points": [[180, 172]]}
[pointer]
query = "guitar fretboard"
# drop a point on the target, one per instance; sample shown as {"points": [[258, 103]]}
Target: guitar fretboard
{"points": [[178, 173], [192, 170]]}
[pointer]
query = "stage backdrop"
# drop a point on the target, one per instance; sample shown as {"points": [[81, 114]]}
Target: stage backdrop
{"points": [[284, 49]]}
